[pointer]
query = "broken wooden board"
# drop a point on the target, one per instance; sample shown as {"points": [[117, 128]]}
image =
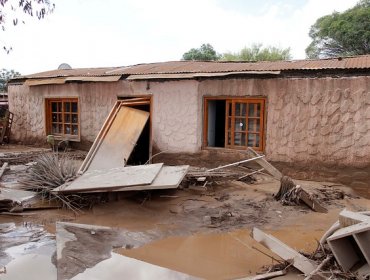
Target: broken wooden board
{"points": [[350, 245], [284, 251], [265, 164], [104, 180], [115, 142], [169, 177], [349, 218]]}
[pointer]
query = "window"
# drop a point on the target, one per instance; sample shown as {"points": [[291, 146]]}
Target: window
{"points": [[234, 122], [62, 117]]}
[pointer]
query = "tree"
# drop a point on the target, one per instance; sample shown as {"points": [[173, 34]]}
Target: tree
{"points": [[5, 76], [341, 34], [14, 11], [205, 52], [257, 53]]}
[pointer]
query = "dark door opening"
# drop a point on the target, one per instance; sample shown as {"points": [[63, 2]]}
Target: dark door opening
{"points": [[216, 123], [142, 151]]}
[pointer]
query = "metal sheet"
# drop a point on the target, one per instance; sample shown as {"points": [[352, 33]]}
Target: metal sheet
{"points": [[49, 81], [106, 180], [198, 75], [192, 67], [94, 78], [120, 139]]}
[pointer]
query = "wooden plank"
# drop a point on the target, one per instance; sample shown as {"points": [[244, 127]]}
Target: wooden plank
{"points": [[265, 164], [268, 275], [111, 179], [3, 168], [99, 138], [169, 177], [120, 139], [284, 251], [349, 218], [236, 163]]}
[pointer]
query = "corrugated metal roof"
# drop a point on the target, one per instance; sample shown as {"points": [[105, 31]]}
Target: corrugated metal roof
{"points": [[183, 67]]}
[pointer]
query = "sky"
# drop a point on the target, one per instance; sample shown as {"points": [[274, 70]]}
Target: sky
{"points": [[97, 33]]}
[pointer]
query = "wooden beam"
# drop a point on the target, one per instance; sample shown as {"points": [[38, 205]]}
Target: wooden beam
{"points": [[284, 251], [265, 164], [236, 163]]}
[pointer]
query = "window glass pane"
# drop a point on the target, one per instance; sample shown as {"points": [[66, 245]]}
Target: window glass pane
{"points": [[74, 118], [240, 124], [254, 125], [59, 128], [243, 109], [60, 118], [54, 128], [239, 139], [251, 138], [251, 111], [67, 106], [230, 109], [67, 118], [74, 129], [54, 117], [258, 110], [67, 129], [54, 107], [74, 107], [59, 106], [237, 109]]}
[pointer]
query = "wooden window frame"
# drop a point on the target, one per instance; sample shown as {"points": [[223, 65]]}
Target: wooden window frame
{"points": [[49, 122], [233, 100]]}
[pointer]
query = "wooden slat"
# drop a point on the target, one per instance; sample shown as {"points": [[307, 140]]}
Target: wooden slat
{"points": [[265, 164], [284, 251]]}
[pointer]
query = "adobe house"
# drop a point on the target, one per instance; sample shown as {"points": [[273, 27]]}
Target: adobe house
{"points": [[313, 115]]}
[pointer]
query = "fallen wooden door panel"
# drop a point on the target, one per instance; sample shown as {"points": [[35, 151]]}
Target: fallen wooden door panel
{"points": [[169, 177], [111, 179], [284, 251], [119, 139]]}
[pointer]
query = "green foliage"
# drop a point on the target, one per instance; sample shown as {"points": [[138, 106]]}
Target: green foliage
{"points": [[341, 34], [257, 53], [5, 76], [205, 53]]}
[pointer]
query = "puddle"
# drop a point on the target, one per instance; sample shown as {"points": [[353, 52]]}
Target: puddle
{"points": [[210, 256]]}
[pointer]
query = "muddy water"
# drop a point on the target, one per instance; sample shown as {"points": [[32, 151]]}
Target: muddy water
{"points": [[211, 256]]}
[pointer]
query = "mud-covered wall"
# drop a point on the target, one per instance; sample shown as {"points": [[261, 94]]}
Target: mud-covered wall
{"points": [[175, 107], [309, 119], [28, 106]]}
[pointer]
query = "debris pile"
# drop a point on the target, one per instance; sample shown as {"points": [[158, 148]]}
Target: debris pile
{"points": [[343, 252]]}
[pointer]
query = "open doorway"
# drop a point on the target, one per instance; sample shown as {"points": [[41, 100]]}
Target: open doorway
{"points": [[216, 123], [142, 151]]}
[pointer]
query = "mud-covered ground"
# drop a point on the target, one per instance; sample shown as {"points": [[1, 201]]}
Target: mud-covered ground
{"points": [[205, 232]]}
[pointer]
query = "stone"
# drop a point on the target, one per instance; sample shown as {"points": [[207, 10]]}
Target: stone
{"points": [[348, 130], [325, 130], [334, 119], [316, 97], [332, 108], [335, 95]]}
